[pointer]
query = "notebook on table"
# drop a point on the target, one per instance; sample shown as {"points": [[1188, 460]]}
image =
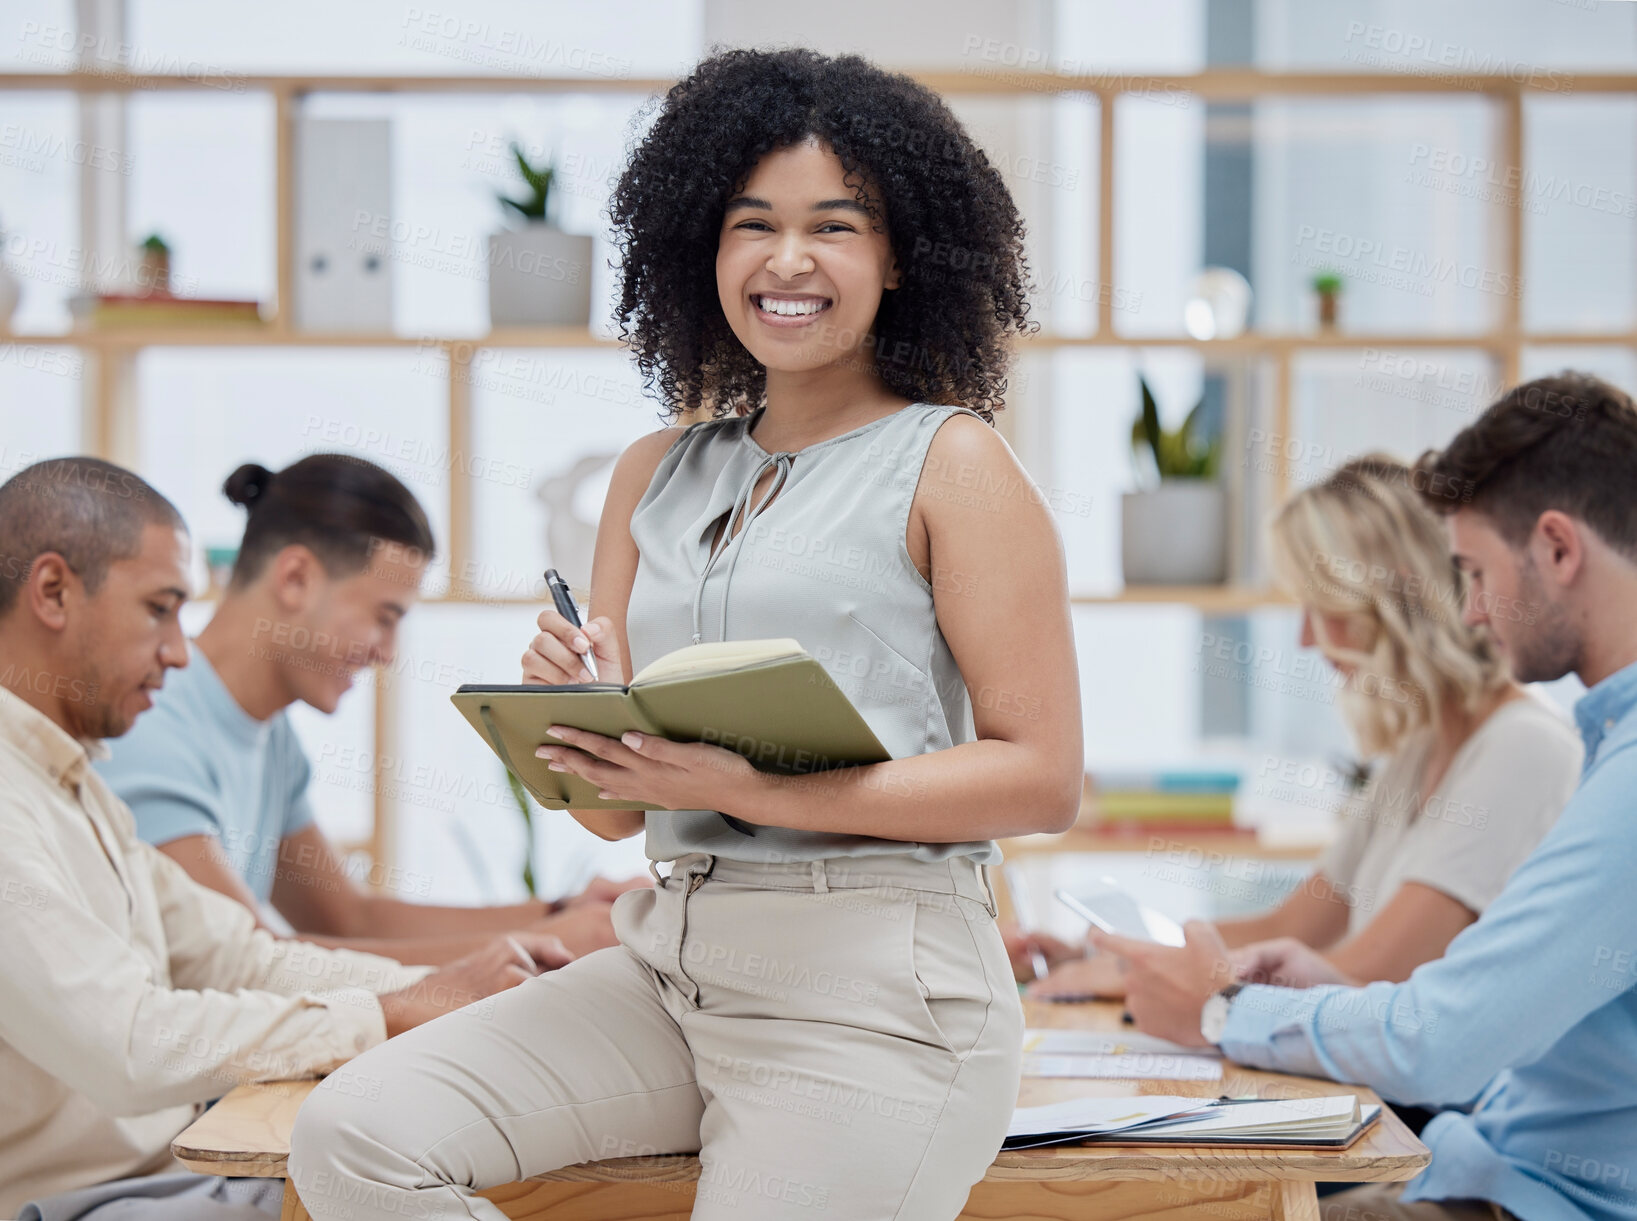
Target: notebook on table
{"points": [[1303, 1123], [769, 700]]}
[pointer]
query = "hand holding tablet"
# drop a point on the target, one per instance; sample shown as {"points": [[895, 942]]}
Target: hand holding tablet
{"points": [[1114, 911]]}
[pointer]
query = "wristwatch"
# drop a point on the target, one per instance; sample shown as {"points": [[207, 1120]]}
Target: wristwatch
{"points": [[1213, 1015]]}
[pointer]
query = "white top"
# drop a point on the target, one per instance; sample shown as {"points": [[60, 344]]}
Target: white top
{"points": [[1500, 794], [130, 995]]}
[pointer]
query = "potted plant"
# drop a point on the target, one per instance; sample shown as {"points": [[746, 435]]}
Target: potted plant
{"points": [[1327, 284], [153, 272], [538, 275], [1175, 532]]}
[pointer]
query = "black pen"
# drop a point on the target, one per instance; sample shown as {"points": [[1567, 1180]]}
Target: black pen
{"points": [[566, 608]]}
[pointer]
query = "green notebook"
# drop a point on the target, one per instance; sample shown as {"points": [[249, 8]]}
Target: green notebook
{"points": [[767, 699]]}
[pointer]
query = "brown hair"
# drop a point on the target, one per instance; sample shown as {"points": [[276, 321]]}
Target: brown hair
{"points": [[1567, 442], [338, 506]]}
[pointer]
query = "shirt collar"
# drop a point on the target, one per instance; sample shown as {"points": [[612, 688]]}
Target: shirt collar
{"points": [[45, 743], [1605, 706]]}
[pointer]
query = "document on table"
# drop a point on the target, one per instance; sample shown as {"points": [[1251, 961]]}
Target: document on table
{"points": [[1094, 1054], [1329, 1121], [1097, 1042], [1155, 1066], [1084, 1115]]}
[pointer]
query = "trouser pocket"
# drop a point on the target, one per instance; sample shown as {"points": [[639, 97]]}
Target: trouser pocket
{"points": [[954, 969]]}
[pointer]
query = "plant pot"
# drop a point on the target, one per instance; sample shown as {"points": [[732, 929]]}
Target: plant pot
{"points": [[1327, 310], [1175, 534], [153, 272], [539, 276]]}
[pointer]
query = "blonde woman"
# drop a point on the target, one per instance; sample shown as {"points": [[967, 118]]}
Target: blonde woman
{"points": [[1472, 768]]}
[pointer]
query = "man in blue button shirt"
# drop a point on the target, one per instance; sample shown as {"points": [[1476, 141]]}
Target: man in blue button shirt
{"points": [[1529, 1021]]}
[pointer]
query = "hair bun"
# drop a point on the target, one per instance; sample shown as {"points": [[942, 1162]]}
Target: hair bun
{"points": [[248, 484]]}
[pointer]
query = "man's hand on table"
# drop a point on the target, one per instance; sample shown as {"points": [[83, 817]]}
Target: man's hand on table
{"points": [[1167, 986], [1021, 946], [504, 962], [1286, 963], [1094, 977], [582, 928]]}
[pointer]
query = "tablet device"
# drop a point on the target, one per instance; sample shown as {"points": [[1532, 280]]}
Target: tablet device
{"points": [[1114, 911]]}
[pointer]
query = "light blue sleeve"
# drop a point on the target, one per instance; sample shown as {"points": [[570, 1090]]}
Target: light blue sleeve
{"points": [[158, 768], [1509, 986]]}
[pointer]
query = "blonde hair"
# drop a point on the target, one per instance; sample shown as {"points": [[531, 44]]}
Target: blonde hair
{"points": [[1362, 546]]}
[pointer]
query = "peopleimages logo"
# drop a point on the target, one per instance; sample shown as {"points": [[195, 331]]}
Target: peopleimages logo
{"points": [[1395, 49]]}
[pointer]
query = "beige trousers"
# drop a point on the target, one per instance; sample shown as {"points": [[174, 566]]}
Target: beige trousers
{"points": [[836, 1038]]}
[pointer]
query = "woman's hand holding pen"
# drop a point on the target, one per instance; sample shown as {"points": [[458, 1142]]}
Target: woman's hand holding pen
{"points": [[1030, 951], [1096, 975], [641, 767], [553, 656]]}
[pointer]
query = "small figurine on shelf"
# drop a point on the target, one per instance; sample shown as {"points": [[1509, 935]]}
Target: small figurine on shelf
{"points": [[153, 273], [1327, 284]]}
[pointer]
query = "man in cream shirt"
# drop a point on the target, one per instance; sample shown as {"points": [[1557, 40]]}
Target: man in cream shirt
{"points": [[131, 996]]}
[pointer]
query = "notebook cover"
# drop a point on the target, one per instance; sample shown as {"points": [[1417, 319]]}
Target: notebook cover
{"points": [[785, 716]]}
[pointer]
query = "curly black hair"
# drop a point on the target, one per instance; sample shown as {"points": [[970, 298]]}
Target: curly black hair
{"points": [[943, 336]]}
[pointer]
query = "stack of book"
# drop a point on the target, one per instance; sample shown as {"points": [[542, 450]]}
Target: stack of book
{"points": [[1324, 1122], [160, 309], [1180, 800]]}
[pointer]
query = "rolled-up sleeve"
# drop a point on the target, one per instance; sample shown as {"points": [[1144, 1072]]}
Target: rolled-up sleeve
{"points": [[82, 1004], [214, 943], [1441, 1035]]}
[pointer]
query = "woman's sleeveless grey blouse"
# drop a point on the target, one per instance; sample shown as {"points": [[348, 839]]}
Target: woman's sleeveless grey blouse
{"points": [[825, 563]]}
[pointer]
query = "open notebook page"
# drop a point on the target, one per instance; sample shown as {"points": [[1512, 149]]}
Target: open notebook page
{"points": [[717, 657]]}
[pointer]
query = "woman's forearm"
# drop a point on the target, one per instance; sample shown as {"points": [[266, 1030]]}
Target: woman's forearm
{"points": [[394, 918], [989, 789], [1244, 930], [611, 824], [413, 951]]}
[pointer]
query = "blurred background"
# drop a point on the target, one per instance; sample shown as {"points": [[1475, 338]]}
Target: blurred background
{"points": [[1329, 226]]}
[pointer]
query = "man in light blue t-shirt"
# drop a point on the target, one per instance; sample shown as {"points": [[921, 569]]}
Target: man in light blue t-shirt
{"points": [[198, 764], [332, 559]]}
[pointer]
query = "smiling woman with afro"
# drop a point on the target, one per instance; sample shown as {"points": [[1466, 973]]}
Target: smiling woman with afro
{"points": [[943, 336], [820, 265]]}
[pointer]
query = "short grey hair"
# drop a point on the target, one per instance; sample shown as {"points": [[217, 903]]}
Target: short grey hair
{"points": [[88, 511]]}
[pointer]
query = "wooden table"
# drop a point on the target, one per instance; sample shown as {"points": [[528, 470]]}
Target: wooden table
{"points": [[248, 1133]]}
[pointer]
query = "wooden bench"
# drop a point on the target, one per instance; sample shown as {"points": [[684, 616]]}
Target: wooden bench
{"points": [[248, 1133]]}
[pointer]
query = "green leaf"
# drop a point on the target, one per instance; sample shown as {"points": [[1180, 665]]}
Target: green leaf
{"points": [[539, 183], [1150, 423], [521, 797], [1182, 453], [533, 209]]}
